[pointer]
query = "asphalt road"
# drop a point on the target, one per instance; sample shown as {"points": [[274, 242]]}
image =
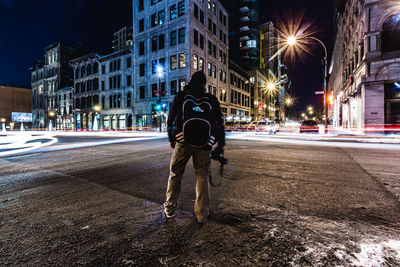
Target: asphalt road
{"points": [[279, 204]]}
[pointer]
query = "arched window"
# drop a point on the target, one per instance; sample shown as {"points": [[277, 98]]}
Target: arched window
{"points": [[78, 103], [83, 72], [110, 102], [128, 100], [77, 73], [391, 34], [96, 68], [83, 87], [95, 100], [77, 88], [103, 102], [119, 101], [89, 69], [83, 102], [115, 101], [89, 102]]}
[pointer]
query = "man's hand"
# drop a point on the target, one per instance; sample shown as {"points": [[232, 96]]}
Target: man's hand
{"points": [[172, 145]]}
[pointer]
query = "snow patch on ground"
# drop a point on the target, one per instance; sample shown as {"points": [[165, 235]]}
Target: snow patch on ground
{"points": [[377, 254]]}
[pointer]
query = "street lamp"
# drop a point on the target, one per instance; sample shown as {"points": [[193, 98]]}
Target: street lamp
{"points": [[96, 109], [160, 71], [52, 115], [291, 41]]}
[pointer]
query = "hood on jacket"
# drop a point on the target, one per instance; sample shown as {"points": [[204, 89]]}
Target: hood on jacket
{"points": [[197, 83]]}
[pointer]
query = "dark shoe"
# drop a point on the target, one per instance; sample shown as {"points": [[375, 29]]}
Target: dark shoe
{"points": [[169, 210]]}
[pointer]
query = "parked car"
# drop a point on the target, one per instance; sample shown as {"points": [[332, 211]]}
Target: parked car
{"points": [[309, 126]]}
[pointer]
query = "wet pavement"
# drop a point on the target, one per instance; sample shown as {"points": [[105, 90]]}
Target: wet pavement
{"points": [[279, 205]]}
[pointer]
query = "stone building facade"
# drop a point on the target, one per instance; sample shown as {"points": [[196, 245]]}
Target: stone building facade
{"points": [[365, 68], [103, 91], [238, 95], [182, 37], [49, 77]]}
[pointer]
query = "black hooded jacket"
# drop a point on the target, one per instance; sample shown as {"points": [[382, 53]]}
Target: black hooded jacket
{"points": [[197, 90]]}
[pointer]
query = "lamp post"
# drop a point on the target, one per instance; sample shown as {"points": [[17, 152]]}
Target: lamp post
{"points": [[96, 109], [291, 41], [160, 71], [51, 114]]}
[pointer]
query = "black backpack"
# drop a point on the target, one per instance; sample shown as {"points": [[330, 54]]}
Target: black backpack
{"points": [[197, 123]]}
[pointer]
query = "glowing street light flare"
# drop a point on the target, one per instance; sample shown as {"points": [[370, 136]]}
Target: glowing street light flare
{"points": [[291, 40]]}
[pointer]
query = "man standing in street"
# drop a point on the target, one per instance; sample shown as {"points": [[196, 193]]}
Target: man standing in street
{"points": [[195, 124]]}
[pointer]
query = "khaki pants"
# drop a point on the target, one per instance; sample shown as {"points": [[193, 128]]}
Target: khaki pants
{"points": [[201, 162]]}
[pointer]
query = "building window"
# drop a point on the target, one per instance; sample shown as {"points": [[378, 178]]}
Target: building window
{"points": [[214, 71], [161, 41], [209, 4], [209, 69], [141, 25], [214, 8], [154, 90], [128, 100], [181, 35], [162, 89], [161, 62], [196, 11], [161, 17], [201, 41], [141, 48], [153, 20], [224, 20], [391, 34], [103, 85], [174, 88], [172, 12], [141, 6], [173, 38], [154, 43], [195, 62], [128, 62], [214, 29], [141, 70], [174, 62], [129, 80], [214, 51], [182, 60], [182, 84], [103, 69], [153, 66], [201, 16], [201, 64], [142, 92], [209, 48], [181, 8], [210, 24], [196, 37]]}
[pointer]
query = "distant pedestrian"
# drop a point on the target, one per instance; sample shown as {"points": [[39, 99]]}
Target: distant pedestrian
{"points": [[195, 124]]}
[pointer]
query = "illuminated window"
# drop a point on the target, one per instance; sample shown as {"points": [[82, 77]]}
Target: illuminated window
{"points": [[181, 35], [161, 17], [181, 8], [182, 60], [172, 12], [174, 62], [251, 43], [195, 62]]}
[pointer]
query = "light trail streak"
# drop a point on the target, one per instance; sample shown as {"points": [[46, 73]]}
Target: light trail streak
{"points": [[315, 142]]}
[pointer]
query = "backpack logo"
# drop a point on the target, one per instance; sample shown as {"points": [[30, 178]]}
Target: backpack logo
{"points": [[198, 109]]}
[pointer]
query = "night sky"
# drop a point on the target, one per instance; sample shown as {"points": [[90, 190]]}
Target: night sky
{"points": [[27, 26]]}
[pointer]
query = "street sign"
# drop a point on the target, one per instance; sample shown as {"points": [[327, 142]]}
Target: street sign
{"points": [[319, 92]]}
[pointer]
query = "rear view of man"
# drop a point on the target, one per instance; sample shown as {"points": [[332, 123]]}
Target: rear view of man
{"points": [[195, 124]]}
